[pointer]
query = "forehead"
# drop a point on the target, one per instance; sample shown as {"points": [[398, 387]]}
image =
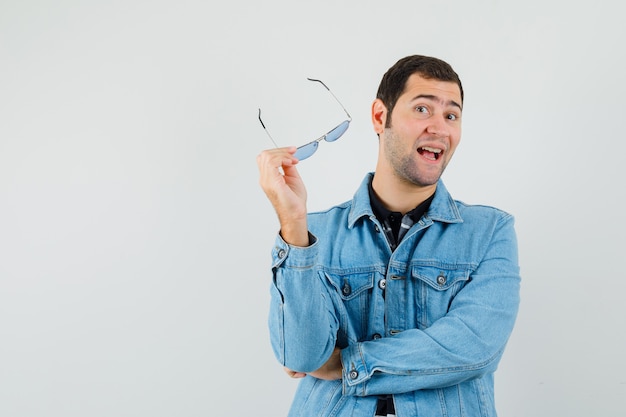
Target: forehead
{"points": [[445, 91]]}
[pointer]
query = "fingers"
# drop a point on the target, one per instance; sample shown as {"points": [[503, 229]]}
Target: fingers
{"points": [[294, 374], [272, 159], [279, 177], [274, 165], [285, 190]]}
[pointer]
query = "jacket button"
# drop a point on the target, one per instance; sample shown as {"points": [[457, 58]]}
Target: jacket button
{"points": [[441, 279], [281, 253], [382, 284], [346, 290], [354, 375], [376, 336]]}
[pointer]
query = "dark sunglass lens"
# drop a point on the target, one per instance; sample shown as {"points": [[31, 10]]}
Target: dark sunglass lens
{"points": [[303, 152], [336, 133]]}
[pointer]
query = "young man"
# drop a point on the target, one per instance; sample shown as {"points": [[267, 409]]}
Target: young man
{"points": [[401, 301]]}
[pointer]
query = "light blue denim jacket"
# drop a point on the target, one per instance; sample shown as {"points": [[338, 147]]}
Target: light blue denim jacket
{"points": [[451, 295]]}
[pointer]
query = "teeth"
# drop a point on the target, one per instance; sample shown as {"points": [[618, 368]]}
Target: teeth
{"points": [[433, 150]]}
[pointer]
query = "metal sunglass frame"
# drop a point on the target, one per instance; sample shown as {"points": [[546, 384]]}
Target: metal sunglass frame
{"points": [[307, 150]]}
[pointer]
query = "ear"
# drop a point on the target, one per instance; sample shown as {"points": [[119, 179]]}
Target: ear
{"points": [[379, 116]]}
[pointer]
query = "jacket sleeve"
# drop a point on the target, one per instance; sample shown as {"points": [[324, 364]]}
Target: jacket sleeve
{"points": [[466, 343], [302, 321]]}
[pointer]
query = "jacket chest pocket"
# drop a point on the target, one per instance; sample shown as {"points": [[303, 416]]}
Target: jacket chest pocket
{"points": [[354, 292], [435, 289]]}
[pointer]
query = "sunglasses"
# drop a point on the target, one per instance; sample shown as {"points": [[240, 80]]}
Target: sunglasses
{"points": [[305, 151]]}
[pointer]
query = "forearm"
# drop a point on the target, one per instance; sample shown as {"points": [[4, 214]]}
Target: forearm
{"points": [[302, 322], [464, 343], [295, 232], [417, 359]]}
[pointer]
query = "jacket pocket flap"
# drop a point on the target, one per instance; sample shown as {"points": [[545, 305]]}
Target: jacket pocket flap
{"points": [[440, 278], [352, 284]]}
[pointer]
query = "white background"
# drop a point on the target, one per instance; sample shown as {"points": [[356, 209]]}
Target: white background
{"points": [[134, 239]]}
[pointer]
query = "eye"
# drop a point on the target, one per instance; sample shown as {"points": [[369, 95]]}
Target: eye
{"points": [[421, 109], [452, 116]]}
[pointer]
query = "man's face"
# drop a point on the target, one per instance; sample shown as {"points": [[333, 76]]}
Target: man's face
{"points": [[424, 132]]}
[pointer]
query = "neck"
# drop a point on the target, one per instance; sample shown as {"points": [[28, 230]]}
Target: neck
{"points": [[400, 196]]}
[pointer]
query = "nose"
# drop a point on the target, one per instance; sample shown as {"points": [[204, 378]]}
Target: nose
{"points": [[438, 127]]}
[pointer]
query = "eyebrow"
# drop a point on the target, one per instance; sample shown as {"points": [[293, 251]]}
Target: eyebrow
{"points": [[432, 97]]}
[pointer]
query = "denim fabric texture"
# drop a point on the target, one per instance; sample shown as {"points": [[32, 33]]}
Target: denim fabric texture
{"points": [[434, 340]]}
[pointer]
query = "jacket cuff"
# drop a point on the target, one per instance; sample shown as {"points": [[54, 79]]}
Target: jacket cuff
{"points": [[355, 372], [284, 254]]}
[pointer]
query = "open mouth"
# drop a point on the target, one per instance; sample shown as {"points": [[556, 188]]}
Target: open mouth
{"points": [[427, 152]]}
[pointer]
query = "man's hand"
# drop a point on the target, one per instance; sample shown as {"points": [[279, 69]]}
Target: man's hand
{"points": [[331, 370], [283, 186]]}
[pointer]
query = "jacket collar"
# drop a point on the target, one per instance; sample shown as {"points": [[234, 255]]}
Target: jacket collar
{"points": [[443, 208]]}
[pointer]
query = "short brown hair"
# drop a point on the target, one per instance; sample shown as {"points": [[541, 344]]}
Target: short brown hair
{"points": [[394, 81]]}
